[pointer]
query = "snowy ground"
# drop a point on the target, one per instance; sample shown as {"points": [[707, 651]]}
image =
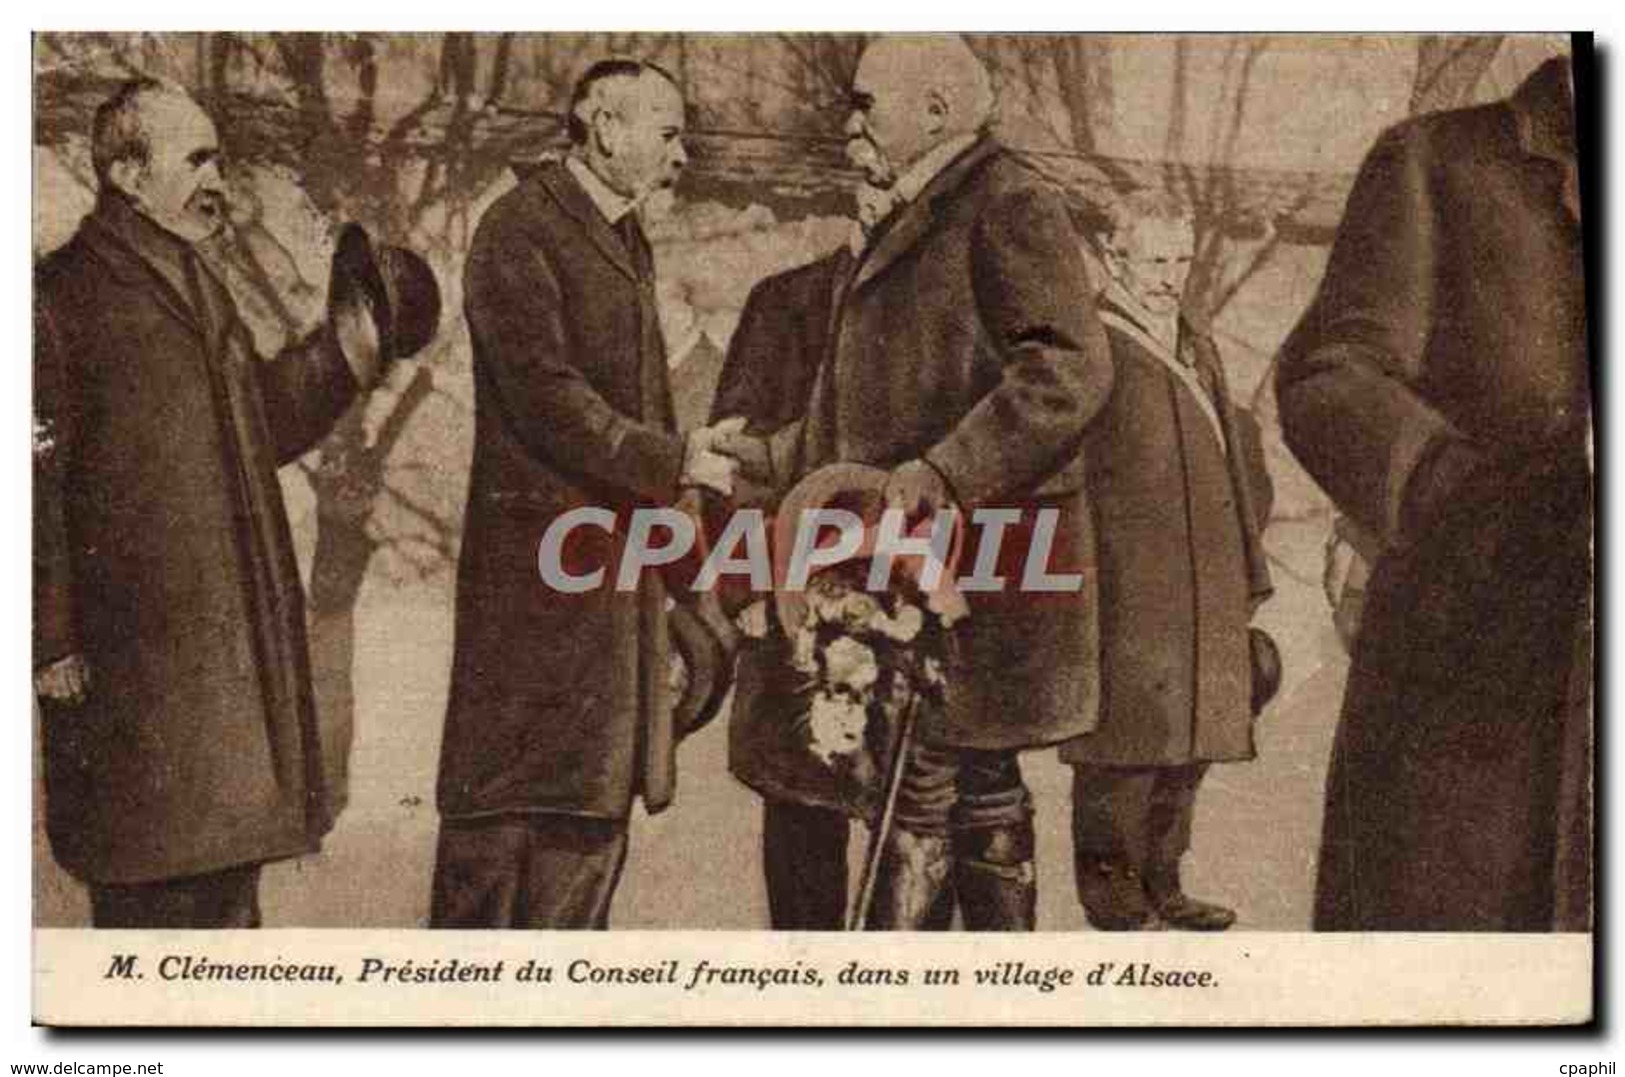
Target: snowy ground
{"points": [[698, 864]]}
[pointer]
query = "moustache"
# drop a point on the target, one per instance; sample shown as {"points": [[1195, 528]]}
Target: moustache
{"points": [[209, 204]]}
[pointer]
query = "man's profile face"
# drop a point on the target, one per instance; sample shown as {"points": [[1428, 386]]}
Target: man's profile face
{"points": [[1152, 259], [888, 128], [179, 188], [643, 136]]}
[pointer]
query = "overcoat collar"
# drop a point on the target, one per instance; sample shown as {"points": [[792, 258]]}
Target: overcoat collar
{"points": [[566, 190], [915, 219], [1543, 112], [135, 251]]}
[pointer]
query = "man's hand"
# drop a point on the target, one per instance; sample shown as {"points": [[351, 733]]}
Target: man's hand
{"points": [[918, 489], [358, 339], [755, 461], [64, 681], [703, 465]]}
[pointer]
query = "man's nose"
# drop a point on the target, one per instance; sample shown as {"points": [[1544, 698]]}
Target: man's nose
{"points": [[679, 153], [209, 178], [854, 124]]}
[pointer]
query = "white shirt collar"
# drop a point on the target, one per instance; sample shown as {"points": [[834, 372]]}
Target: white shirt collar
{"points": [[612, 205], [922, 172], [1164, 331]]}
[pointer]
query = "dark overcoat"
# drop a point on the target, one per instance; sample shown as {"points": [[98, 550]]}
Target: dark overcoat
{"points": [[1177, 522], [559, 702], [961, 340], [162, 554], [773, 356], [1453, 309]]}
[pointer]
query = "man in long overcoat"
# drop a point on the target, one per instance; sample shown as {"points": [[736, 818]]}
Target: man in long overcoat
{"points": [[1179, 491], [560, 710], [1438, 390], [179, 734], [964, 364]]}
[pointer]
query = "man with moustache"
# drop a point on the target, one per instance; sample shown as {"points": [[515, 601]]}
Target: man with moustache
{"points": [[1180, 492], [964, 364], [560, 712], [180, 738]]}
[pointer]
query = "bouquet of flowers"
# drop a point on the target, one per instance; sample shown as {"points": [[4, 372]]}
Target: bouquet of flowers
{"points": [[862, 660]]}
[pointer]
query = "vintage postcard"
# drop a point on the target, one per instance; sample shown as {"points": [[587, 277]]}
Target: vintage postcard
{"points": [[573, 528]]}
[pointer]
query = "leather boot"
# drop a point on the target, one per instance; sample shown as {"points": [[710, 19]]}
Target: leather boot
{"points": [[1181, 911], [1113, 895], [995, 878], [911, 886]]}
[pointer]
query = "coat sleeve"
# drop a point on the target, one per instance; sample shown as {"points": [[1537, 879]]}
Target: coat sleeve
{"points": [[305, 389], [1348, 376], [1031, 292], [753, 368], [56, 435], [516, 314]]}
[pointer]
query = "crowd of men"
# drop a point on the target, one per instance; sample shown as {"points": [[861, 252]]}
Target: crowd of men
{"points": [[975, 344]]}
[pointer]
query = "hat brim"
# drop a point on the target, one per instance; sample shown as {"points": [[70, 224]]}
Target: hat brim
{"points": [[356, 273], [842, 485]]}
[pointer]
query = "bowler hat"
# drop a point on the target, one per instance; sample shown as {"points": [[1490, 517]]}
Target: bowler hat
{"points": [[1266, 663], [396, 282], [858, 489]]}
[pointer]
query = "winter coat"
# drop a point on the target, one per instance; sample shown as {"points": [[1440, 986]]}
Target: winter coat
{"points": [[1452, 313], [560, 702], [162, 555]]}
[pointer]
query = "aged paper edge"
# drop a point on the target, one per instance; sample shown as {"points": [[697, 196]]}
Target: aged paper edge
{"points": [[1258, 979]]}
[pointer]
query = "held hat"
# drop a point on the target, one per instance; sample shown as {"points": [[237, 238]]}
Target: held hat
{"points": [[397, 283], [858, 489]]}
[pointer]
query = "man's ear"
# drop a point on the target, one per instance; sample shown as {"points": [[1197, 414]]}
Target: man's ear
{"points": [[937, 112], [606, 131], [127, 175]]}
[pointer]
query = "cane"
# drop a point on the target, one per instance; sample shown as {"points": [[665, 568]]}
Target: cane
{"points": [[857, 918]]}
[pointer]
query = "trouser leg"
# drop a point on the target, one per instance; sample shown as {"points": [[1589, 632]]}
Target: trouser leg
{"points": [[1168, 824], [804, 859], [221, 899], [534, 871], [574, 866], [1173, 807], [1111, 809]]}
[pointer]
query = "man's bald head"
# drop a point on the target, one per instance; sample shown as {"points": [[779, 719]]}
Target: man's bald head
{"points": [[914, 92]]}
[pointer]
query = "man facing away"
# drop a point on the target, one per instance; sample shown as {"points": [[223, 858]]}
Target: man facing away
{"points": [[560, 712], [180, 738], [1438, 389], [1176, 474], [963, 364]]}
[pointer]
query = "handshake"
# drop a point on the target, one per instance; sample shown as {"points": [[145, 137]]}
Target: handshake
{"points": [[714, 455]]}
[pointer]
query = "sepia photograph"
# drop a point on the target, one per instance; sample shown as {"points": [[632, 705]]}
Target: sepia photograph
{"points": [[723, 493]]}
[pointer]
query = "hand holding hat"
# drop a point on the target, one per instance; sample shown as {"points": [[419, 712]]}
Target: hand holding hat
{"points": [[383, 301]]}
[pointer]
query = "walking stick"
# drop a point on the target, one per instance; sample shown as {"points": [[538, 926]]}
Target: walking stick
{"points": [[857, 918]]}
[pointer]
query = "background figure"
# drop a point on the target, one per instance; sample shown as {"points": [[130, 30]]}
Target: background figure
{"points": [[560, 711], [180, 738], [1438, 389], [772, 359], [958, 367], [1180, 495]]}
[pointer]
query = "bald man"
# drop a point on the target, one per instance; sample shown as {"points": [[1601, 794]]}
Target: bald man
{"points": [[964, 364]]}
